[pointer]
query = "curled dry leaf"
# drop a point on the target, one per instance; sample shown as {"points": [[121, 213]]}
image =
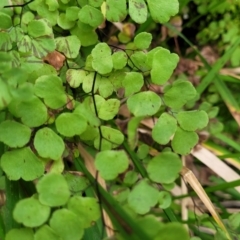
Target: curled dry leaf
{"points": [[56, 59], [129, 29]]}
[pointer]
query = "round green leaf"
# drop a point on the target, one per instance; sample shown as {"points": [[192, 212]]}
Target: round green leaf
{"points": [[87, 207], [143, 40], [183, 141], [105, 87], [47, 9], [138, 11], [39, 28], [215, 127], [27, 17], [70, 124], [22, 163], [48, 144], [53, 190], [111, 163], [119, 60], [90, 15], [179, 94], [111, 138], [43, 88], [108, 109], [116, 11], [150, 224], [138, 61], [142, 197], [132, 82], [88, 81], [95, 3], [64, 22], [160, 11], [164, 168], [85, 33], [5, 21], [75, 77], [66, 224], [192, 120], [164, 129], [52, 5], [45, 232], [32, 113], [172, 231], [72, 13], [84, 109], [76, 183], [20, 234], [143, 151], [69, 45], [163, 65], [14, 134], [30, 212], [102, 60], [144, 103], [89, 134], [164, 200], [130, 178]]}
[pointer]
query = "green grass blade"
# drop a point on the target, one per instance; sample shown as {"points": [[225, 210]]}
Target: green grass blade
{"points": [[228, 141], [225, 93]]}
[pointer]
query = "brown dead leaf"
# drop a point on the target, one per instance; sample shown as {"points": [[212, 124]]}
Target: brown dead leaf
{"points": [[188, 66], [129, 29], [209, 54], [164, 32], [176, 22], [56, 59]]}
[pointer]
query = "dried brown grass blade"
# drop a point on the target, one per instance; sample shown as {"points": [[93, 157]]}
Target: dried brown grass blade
{"points": [[215, 164], [190, 178]]}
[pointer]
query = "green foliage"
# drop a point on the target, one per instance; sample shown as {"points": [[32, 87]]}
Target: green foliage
{"points": [[143, 40], [48, 144], [111, 163], [62, 83], [138, 11], [144, 103], [58, 223], [155, 7], [87, 207], [164, 168], [143, 197], [14, 134], [102, 61], [163, 64], [183, 141], [23, 212], [21, 234], [53, 190], [22, 163], [183, 89], [164, 128], [225, 30]]}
